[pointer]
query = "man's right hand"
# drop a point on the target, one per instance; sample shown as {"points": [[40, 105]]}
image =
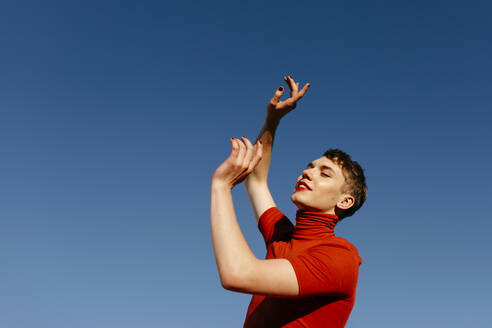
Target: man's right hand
{"points": [[256, 182], [277, 108]]}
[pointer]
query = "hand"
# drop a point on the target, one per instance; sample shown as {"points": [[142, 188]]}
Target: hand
{"points": [[241, 162], [277, 108]]}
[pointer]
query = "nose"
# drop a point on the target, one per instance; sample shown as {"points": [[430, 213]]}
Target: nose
{"points": [[306, 174]]}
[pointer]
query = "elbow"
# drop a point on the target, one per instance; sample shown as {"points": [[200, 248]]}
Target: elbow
{"points": [[226, 285], [237, 276], [228, 282], [224, 281], [232, 281]]}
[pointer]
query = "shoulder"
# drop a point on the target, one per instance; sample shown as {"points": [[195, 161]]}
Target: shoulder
{"points": [[272, 214], [343, 246], [275, 226]]}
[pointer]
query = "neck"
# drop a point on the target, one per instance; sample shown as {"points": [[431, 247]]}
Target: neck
{"points": [[312, 225]]}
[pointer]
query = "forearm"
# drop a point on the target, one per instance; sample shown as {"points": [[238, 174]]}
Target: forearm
{"points": [[232, 253], [267, 136]]}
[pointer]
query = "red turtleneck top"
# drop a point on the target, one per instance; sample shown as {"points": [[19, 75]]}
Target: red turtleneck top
{"points": [[326, 266]]}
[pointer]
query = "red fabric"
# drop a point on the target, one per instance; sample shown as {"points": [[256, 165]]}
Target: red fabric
{"points": [[326, 266]]}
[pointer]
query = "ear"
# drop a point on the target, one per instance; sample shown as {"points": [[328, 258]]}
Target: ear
{"points": [[346, 202]]}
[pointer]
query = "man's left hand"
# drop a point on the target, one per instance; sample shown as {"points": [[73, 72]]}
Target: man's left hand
{"points": [[243, 159]]}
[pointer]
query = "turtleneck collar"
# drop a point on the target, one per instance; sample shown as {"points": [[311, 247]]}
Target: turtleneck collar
{"points": [[312, 225]]}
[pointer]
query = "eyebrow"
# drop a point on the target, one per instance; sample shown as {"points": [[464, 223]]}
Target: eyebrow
{"points": [[323, 167]]}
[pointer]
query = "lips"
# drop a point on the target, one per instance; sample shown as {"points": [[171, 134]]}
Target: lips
{"points": [[302, 183]]}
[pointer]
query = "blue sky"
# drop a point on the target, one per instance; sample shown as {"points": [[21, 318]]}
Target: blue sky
{"points": [[115, 114]]}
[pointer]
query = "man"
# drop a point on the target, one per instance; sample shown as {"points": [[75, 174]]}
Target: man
{"points": [[309, 276]]}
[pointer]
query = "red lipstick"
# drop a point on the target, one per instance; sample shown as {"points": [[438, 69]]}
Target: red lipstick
{"points": [[301, 185]]}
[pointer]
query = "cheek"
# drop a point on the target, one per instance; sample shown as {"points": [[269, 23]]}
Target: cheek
{"points": [[328, 190]]}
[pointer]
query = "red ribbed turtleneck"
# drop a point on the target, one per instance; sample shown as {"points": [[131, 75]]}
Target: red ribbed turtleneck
{"points": [[312, 225], [326, 267]]}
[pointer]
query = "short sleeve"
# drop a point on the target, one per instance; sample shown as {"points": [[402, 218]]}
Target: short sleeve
{"points": [[275, 226], [326, 270]]}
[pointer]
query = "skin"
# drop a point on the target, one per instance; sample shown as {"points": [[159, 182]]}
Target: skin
{"points": [[242, 161], [239, 269], [325, 179]]}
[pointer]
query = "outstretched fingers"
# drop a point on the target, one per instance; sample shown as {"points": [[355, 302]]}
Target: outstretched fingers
{"points": [[292, 85], [303, 90]]}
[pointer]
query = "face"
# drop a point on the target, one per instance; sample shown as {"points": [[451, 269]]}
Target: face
{"points": [[319, 187]]}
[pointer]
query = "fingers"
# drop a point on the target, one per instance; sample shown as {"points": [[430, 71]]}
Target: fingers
{"points": [[276, 97], [237, 152], [252, 155], [291, 84], [303, 90], [235, 149], [244, 158], [250, 151], [252, 158], [257, 158], [241, 154]]}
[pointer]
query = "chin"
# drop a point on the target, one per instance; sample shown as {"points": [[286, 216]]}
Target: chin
{"points": [[297, 203], [304, 206]]}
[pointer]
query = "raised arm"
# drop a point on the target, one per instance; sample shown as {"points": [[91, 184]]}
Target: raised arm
{"points": [[256, 182]]}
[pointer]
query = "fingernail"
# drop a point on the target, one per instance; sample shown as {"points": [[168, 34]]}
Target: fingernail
{"points": [[280, 89]]}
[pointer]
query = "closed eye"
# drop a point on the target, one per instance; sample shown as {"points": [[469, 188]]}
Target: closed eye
{"points": [[324, 174]]}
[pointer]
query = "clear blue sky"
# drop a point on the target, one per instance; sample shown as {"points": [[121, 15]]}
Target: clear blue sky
{"points": [[114, 115]]}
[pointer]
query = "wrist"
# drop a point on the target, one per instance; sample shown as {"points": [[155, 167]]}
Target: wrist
{"points": [[273, 119], [254, 180], [220, 185]]}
